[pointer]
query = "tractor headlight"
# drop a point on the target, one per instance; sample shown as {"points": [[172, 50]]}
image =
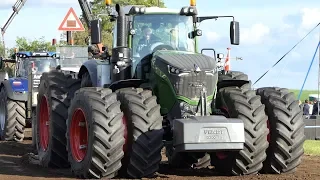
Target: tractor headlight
{"points": [[188, 11], [137, 10], [142, 10], [174, 70]]}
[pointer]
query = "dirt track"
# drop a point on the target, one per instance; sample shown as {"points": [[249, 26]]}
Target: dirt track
{"points": [[13, 166]]}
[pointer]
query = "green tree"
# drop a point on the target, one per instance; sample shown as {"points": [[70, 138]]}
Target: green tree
{"points": [[23, 44], [2, 51], [99, 7]]}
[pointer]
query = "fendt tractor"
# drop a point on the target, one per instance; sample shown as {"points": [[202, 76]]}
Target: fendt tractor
{"points": [[114, 116], [14, 92]]}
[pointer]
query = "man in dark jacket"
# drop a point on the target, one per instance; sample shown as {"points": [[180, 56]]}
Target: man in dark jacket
{"points": [[148, 38], [315, 108], [306, 107]]}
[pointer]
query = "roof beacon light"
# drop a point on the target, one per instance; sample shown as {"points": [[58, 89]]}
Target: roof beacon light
{"points": [[193, 3], [108, 2]]}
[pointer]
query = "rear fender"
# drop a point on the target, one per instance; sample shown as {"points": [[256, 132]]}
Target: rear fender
{"points": [[99, 72], [136, 83], [229, 83]]}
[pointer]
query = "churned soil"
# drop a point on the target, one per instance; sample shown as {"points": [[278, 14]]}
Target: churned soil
{"points": [[15, 163]]}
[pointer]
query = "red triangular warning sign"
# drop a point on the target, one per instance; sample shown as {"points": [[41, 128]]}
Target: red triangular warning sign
{"points": [[71, 22]]}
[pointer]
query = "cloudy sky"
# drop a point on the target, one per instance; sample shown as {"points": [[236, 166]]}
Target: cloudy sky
{"points": [[268, 30]]}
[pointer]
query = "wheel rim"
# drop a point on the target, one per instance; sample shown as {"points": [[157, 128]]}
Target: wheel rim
{"points": [[44, 123], [2, 117], [78, 135], [125, 135]]}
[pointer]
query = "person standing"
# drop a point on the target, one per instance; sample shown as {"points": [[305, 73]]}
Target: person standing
{"points": [[315, 107], [306, 107], [311, 107]]}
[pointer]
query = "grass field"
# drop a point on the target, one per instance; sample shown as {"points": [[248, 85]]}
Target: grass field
{"points": [[304, 94], [312, 147]]}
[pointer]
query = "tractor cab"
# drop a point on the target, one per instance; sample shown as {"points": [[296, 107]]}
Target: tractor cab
{"points": [[37, 62], [141, 32]]}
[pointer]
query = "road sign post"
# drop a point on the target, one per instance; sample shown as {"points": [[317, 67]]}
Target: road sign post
{"points": [[71, 22]]}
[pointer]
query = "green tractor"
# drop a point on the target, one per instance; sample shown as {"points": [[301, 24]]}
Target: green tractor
{"points": [[114, 116]]}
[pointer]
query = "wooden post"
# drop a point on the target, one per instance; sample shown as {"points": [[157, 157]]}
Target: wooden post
{"points": [[69, 38]]}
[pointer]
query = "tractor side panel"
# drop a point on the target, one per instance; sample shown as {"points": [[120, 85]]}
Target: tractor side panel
{"points": [[99, 72], [16, 92]]}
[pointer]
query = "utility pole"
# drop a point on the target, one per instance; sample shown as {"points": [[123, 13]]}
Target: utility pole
{"points": [[318, 75]]}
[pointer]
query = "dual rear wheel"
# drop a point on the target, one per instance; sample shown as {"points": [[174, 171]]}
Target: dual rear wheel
{"points": [[274, 130]]}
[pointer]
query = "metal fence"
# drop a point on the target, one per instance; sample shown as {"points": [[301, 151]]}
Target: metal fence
{"points": [[312, 127], [71, 56]]}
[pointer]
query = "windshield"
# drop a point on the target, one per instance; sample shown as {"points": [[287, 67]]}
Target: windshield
{"points": [[39, 64], [167, 31]]}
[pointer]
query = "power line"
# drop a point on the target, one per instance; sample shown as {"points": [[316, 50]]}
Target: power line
{"points": [[286, 54]]}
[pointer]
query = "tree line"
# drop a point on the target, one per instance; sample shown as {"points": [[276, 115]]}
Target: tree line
{"points": [[80, 38]]}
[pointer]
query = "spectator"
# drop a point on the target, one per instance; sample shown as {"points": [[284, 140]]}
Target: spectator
{"points": [[8, 70], [311, 107], [306, 107], [315, 108]]}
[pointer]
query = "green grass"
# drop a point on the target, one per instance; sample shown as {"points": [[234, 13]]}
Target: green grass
{"points": [[311, 147], [304, 94]]}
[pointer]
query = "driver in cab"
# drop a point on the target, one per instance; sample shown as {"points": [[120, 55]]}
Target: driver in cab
{"points": [[148, 38]]}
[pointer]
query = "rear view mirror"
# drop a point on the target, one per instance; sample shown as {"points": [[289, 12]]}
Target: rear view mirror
{"points": [[234, 33], [96, 31]]}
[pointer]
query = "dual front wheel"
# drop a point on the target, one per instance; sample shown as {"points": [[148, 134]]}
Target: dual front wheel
{"points": [[106, 133]]}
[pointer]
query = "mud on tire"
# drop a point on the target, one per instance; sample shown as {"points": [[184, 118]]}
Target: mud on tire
{"points": [[286, 130], [144, 132], [102, 134], [55, 92], [244, 104], [13, 117]]}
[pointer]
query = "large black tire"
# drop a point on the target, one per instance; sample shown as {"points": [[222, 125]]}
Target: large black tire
{"points": [[144, 132], [99, 110], [286, 130], [12, 118], [244, 104], [56, 90], [233, 75]]}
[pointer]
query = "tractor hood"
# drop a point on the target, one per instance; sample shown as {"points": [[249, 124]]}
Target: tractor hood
{"points": [[186, 61], [187, 73]]}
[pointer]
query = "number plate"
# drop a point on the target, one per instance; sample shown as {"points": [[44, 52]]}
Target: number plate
{"points": [[214, 135]]}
